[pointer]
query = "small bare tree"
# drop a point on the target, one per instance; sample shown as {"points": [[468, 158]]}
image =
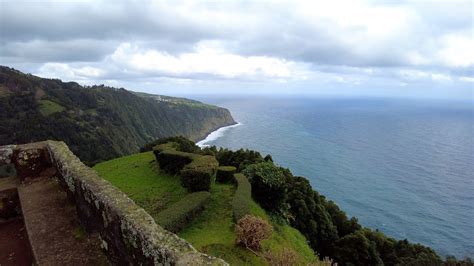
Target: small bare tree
{"points": [[251, 230]]}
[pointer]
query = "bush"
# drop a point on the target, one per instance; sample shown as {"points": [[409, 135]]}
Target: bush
{"points": [[239, 159], [225, 174], [242, 197], [339, 218], [165, 146], [198, 175], [251, 231], [178, 215], [283, 257], [268, 183], [310, 216], [172, 161], [182, 144], [356, 247]]}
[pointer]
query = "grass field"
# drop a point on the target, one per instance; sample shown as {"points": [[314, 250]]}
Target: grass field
{"points": [[48, 107], [212, 232], [137, 175]]}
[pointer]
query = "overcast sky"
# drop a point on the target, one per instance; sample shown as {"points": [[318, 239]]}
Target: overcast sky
{"points": [[401, 48]]}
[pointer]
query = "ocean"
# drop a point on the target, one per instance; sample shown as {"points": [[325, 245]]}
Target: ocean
{"points": [[405, 167]]}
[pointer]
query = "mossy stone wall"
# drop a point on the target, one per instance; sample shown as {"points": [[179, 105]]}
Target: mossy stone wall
{"points": [[129, 234]]}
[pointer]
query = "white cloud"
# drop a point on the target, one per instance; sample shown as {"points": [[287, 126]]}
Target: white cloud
{"points": [[457, 50], [206, 59], [467, 79], [440, 77], [417, 75], [68, 72]]}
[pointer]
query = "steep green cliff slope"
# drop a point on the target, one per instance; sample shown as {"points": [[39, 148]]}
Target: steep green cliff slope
{"points": [[98, 122]]}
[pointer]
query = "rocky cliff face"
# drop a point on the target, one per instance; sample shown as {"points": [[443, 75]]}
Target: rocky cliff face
{"points": [[98, 123]]}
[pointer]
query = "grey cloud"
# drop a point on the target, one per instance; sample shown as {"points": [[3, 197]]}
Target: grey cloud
{"points": [[38, 32], [58, 51], [63, 21]]}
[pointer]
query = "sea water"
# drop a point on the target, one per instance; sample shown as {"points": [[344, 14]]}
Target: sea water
{"points": [[405, 167]]}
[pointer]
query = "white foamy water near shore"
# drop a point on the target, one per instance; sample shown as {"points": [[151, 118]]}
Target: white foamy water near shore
{"points": [[215, 135]]}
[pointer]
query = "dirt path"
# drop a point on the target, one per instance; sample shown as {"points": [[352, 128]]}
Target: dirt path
{"points": [[14, 245], [55, 234]]}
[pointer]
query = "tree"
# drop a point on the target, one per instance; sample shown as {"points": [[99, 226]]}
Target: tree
{"points": [[268, 185], [251, 231], [356, 249]]}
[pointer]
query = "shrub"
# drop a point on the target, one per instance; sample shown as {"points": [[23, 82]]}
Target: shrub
{"points": [[198, 175], [182, 144], [225, 174], [172, 161], [178, 215], [356, 247], [251, 230], [242, 197], [310, 216], [268, 183], [283, 257], [165, 146], [238, 159]]}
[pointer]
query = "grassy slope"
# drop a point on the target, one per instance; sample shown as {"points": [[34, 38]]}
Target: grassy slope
{"points": [[213, 231], [137, 176], [48, 107]]}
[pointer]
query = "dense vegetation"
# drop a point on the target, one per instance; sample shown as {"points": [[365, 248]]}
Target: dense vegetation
{"points": [[289, 201], [178, 215], [197, 171], [200, 173], [211, 231], [98, 123], [225, 174], [328, 229]]}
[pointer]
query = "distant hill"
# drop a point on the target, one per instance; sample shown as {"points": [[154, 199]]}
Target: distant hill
{"points": [[98, 122]]}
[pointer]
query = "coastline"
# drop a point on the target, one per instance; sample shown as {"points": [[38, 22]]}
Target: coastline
{"points": [[215, 135]]}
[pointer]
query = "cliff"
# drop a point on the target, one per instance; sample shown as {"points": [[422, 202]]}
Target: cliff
{"points": [[98, 122]]}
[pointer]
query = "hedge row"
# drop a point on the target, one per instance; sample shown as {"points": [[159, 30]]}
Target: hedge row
{"points": [[197, 171], [178, 215], [242, 197], [225, 174], [172, 161], [165, 146], [199, 174]]}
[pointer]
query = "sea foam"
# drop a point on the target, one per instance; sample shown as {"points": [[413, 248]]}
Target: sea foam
{"points": [[215, 135]]}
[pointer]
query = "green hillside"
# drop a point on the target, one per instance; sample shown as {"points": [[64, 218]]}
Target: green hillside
{"points": [[212, 231], [215, 197], [98, 122]]}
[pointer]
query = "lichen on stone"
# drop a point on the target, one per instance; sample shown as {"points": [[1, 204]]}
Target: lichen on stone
{"points": [[6, 153]]}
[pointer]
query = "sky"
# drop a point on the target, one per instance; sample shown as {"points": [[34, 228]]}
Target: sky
{"points": [[375, 48]]}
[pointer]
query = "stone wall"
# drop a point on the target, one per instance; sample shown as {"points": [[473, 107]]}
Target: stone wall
{"points": [[7, 168], [129, 234]]}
